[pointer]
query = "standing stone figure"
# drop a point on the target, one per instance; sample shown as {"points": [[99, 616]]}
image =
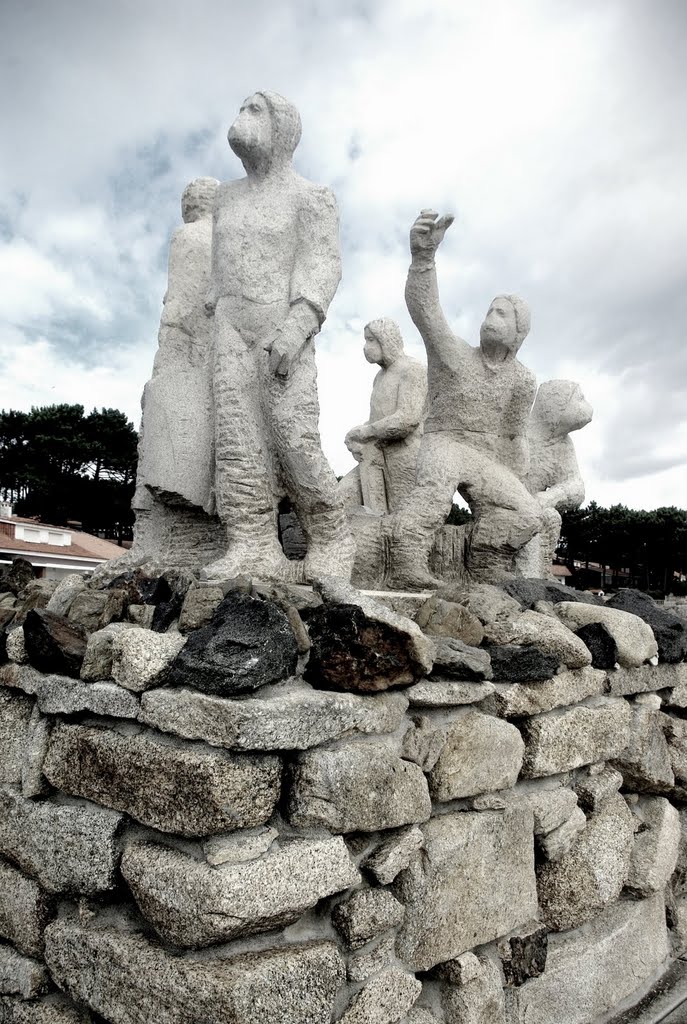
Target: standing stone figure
{"points": [[275, 269], [474, 438], [386, 446], [173, 501], [554, 476]]}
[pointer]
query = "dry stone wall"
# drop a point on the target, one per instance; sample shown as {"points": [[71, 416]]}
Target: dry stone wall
{"points": [[288, 807]]}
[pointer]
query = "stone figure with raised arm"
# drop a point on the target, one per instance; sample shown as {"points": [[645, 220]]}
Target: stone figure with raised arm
{"points": [[386, 446], [275, 269], [173, 500], [475, 433], [554, 476]]}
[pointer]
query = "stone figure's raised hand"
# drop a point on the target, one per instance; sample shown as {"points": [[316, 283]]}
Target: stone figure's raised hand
{"points": [[284, 347], [428, 231]]}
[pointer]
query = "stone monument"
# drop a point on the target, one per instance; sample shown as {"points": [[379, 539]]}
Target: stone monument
{"points": [[554, 477], [275, 269], [475, 434], [386, 446]]}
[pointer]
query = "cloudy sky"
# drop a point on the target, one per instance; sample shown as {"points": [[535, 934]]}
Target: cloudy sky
{"points": [[552, 129]]}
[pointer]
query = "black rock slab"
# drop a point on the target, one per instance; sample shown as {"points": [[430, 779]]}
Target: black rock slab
{"points": [[524, 956], [249, 643], [600, 644], [53, 643], [513, 664], [669, 629], [528, 592], [18, 576]]}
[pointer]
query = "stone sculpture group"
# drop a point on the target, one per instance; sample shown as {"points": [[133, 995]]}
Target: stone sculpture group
{"points": [[230, 416]]}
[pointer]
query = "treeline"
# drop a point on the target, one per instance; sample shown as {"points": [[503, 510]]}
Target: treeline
{"points": [[634, 548], [60, 465]]}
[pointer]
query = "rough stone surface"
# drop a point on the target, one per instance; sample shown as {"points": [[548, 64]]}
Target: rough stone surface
{"points": [[668, 628], [594, 788], [394, 854], [34, 596], [179, 789], [599, 643], [550, 807], [248, 643], [68, 849], [94, 609], [360, 644], [623, 682], [646, 763], [15, 646], [384, 999], [128, 980], [32, 781], [438, 693], [447, 618], [424, 742], [523, 955], [365, 915], [547, 634], [64, 695], [561, 740], [656, 847], [19, 575], [192, 904], [294, 720], [357, 787], [575, 887], [49, 1010], [513, 664], [25, 910], [478, 1000], [64, 593], [474, 883], [592, 970], [516, 700], [54, 644], [370, 961], [455, 660], [634, 638], [97, 662], [480, 754], [557, 843], [529, 592], [248, 844], [15, 716], [675, 731], [20, 975], [199, 607], [141, 659]]}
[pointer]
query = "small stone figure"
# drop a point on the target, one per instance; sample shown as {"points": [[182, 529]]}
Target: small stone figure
{"points": [[474, 438], [275, 269], [554, 476], [173, 501], [386, 446]]}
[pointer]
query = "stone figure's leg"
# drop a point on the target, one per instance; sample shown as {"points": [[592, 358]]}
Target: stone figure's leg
{"points": [[506, 516], [400, 471], [245, 501], [422, 513], [306, 475], [349, 490]]}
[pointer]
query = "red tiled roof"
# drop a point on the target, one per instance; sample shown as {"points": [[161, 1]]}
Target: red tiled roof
{"points": [[87, 547], [560, 570]]}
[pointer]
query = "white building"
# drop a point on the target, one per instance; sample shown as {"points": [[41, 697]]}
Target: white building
{"points": [[54, 551]]}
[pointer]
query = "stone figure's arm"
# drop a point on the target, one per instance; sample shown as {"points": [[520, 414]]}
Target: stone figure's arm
{"points": [[568, 491], [409, 412], [314, 279], [520, 406], [422, 290]]}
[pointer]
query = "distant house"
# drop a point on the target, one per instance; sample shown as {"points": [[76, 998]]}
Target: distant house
{"points": [[54, 551], [561, 573]]}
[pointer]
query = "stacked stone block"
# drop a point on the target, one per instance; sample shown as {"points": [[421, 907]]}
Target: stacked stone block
{"points": [[287, 807]]}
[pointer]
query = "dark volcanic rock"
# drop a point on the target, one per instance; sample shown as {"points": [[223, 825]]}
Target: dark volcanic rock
{"points": [[669, 629], [455, 660], [528, 592], [19, 575], [524, 956], [351, 651], [140, 589], [599, 643], [166, 592], [248, 644], [54, 644], [512, 664]]}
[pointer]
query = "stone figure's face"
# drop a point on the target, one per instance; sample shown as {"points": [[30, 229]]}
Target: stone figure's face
{"points": [[578, 412], [499, 329], [373, 349], [251, 133]]}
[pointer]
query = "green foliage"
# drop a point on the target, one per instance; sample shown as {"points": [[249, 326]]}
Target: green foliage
{"points": [[652, 546], [59, 465]]}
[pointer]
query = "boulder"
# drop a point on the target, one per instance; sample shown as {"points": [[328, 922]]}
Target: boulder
{"points": [[646, 763], [529, 592], [517, 700], [668, 628], [64, 695], [371, 960], [15, 717], [384, 999], [513, 664], [66, 590], [394, 854], [25, 910], [624, 682], [474, 994], [455, 660], [97, 662], [95, 609], [17, 577], [248, 644], [20, 975], [142, 659], [523, 955], [595, 787], [656, 847], [479, 754], [559, 741], [633, 637], [248, 844], [365, 915], [438, 617], [600, 644], [557, 843], [440, 693], [547, 634], [199, 607], [54, 644]]}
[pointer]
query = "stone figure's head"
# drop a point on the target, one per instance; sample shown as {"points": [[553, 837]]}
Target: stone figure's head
{"points": [[560, 407], [505, 326], [197, 199], [383, 341], [266, 131]]}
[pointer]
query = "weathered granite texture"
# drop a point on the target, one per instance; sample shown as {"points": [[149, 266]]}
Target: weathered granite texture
{"points": [[386, 447]]}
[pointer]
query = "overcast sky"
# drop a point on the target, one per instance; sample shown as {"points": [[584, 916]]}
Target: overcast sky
{"points": [[554, 130]]}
